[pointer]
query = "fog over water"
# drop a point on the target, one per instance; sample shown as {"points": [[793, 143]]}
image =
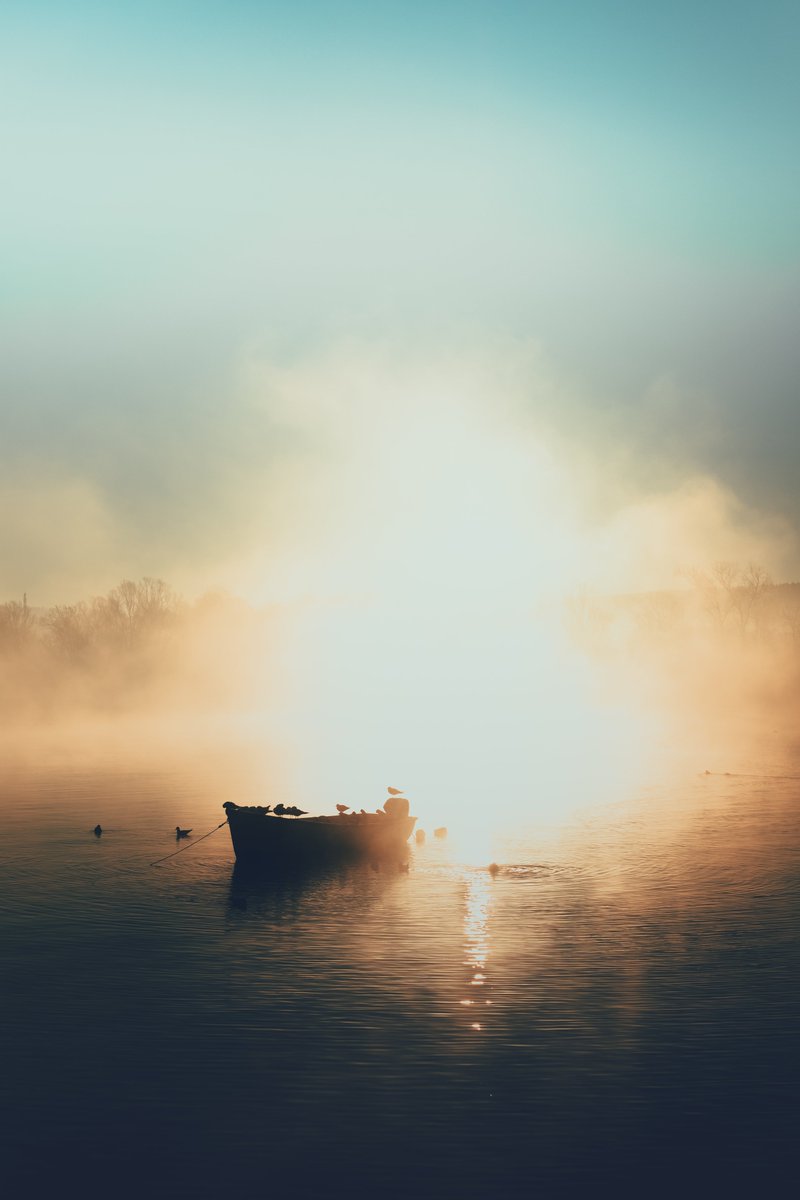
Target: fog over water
{"points": [[612, 1003], [400, 396], [613, 1006], [554, 662]]}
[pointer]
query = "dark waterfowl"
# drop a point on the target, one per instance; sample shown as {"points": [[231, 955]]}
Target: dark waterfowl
{"points": [[181, 833], [98, 829]]}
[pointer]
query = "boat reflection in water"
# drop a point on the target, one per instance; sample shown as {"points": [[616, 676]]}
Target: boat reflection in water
{"points": [[262, 837], [281, 891]]}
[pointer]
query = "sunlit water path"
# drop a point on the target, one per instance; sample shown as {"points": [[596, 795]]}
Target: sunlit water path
{"points": [[616, 1004]]}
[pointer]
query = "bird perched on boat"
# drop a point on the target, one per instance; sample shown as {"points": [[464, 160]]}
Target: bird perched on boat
{"points": [[98, 829], [280, 810], [395, 791], [179, 833], [342, 809], [294, 811]]}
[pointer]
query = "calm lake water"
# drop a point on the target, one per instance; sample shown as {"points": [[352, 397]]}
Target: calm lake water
{"points": [[616, 1006]]}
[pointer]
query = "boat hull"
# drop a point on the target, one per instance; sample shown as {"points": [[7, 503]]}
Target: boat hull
{"points": [[259, 837]]}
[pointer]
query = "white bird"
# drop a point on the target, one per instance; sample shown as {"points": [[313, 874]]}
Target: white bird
{"points": [[342, 808]]}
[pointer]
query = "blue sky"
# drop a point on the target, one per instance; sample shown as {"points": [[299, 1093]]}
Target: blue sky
{"points": [[192, 189]]}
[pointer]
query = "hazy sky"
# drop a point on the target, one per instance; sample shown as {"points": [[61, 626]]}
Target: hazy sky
{"points": [[298, 294]]}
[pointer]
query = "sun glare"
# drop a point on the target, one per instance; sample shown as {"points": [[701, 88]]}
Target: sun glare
{"points": [[428, 655]]}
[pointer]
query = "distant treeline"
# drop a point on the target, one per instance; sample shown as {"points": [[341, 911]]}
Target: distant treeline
{"points": [[140, 643], [727, 606], [142, 647], [131, 616]]}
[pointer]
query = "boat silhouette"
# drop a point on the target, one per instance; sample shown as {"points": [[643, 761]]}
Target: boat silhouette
{"points": [[259, 836]]}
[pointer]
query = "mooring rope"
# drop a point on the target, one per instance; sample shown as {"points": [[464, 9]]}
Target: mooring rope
{"points": [[188, 846]]}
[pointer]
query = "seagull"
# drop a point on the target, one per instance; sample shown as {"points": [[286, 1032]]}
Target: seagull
{"points": [[342, 809], [179, 833], [279, 810], [395, 791], [294, 811]]}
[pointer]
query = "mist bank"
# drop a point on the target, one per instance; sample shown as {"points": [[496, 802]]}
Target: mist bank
{"points": [[488, 716], [727, 642], [139, 648], [729, 636]]}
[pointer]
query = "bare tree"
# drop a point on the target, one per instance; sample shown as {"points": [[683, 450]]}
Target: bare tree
{"points": [[788, 611], [747, 596], [70, 630], [714, 588], [17, 624], [733, 597], [134, 611]]}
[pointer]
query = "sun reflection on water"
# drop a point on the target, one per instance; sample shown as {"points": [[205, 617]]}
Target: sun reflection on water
{"points": [[478, 901]]}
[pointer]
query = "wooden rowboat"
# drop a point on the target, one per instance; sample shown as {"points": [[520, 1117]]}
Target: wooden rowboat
{"points": [[259, 836]]}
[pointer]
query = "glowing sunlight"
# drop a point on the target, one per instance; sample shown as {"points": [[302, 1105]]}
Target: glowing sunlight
{"points": [[432, 646]]}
